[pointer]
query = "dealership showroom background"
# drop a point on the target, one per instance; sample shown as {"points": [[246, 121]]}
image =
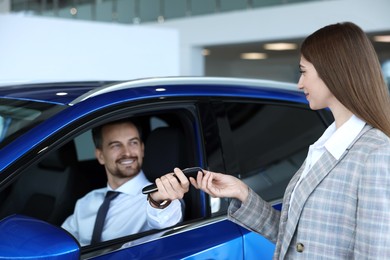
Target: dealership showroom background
{"points": [[230, 38], [105, 99]]}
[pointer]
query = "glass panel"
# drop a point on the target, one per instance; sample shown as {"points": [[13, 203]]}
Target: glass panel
{"points": [[19, 116], [49, 13], [84, 12], [271, 143], [261, 3], [229, 5], [126, 11], [202, 7], [175, 8], [298, 1], [149, 10], [64, 12], [104, 11]]}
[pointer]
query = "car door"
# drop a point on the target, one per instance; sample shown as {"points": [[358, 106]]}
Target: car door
{"points": [[197, 237], [219, 135], [264, 142]]}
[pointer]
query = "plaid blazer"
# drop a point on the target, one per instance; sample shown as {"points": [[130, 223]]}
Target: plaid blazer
{"points": [[340, 210]]}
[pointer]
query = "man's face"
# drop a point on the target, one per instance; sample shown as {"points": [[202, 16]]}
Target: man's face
{"points": [[122, 151]]}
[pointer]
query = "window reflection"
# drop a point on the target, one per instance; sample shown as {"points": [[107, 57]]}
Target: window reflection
{"points": [[136, 11], [386, 72]]}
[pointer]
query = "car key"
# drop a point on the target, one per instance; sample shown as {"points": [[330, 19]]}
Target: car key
{"points": [[188, 172]]}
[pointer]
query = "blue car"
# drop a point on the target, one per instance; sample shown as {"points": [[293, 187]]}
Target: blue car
{"points": [[258, 131]]}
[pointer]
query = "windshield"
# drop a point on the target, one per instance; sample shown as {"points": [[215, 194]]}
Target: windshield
{"points": [[18, 116]]}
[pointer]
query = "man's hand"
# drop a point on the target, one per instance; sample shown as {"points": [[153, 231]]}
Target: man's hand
{"points": [[170, 186]]}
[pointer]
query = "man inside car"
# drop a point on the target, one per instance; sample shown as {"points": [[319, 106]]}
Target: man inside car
{"points": [[120, 150]]}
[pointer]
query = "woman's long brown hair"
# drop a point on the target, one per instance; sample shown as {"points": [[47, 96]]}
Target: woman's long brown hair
{"points": [[347, 62]]}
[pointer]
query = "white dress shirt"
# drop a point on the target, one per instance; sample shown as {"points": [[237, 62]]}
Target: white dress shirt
{"points": [[335, 141], [129, 213]]}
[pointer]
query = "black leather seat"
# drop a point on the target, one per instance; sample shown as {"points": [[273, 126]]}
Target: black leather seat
{"points": [[165, 149], [47, 190]]}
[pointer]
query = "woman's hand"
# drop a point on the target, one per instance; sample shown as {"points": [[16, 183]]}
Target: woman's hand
{"points": [[221, 185]]}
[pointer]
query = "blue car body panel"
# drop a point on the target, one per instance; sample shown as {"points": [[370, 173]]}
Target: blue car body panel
{"points": [[256, 246], [27, 245], [221, 240], [32, 138], [49, 93]]}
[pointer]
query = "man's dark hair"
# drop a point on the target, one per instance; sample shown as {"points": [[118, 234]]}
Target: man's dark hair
{"points": [[97, 131]]}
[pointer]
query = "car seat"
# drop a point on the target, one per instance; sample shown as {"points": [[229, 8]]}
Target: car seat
{"points": [[46, 190], [165, 149]]}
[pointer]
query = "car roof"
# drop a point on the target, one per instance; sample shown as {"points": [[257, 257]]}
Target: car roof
{"points": [[53, 92], [70, 93]]}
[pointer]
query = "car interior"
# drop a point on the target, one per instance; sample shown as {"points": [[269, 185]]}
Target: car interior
{"points": [[49, 189], [46, 190]]}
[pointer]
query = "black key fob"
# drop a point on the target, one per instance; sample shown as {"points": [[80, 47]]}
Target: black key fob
{"points": [[188, 172]]}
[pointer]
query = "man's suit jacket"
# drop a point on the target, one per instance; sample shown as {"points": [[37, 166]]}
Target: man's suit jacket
{"points": [[340, 210]]}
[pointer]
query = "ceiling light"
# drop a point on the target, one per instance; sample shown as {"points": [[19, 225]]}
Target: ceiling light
{"points": [[382, 38], [160, 89], [73, 11], [280, 46], [206, 52], [160, 19], [61, 93], [253, 56]]}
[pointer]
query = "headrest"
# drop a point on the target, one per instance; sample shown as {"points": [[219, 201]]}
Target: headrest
{"points": [[60, 158], [164, 150]]}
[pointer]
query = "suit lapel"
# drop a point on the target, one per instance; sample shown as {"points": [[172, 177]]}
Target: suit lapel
{"points": [[326, 163], [280, 245], [319, 171], [290, 187]]}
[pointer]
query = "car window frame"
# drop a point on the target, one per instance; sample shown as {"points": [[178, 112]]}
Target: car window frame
{"points": [[110, 113], [224, 130]]}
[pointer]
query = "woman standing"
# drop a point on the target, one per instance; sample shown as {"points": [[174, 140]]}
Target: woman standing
{"points": [[337, 206]]}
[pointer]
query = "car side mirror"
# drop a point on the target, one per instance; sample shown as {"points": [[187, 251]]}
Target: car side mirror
{"points": [[29, 238]]}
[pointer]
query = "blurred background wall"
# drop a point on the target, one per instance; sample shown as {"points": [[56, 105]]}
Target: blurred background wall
{"points": [[47, 49], [232, 38]]}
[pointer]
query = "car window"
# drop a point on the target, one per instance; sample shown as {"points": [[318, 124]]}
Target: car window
{"points": [[18, 116], [270, 143], [263, 144], [49, 188]]}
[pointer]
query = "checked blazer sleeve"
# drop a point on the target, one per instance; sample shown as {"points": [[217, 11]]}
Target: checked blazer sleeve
{"points": [[256, 215], [340, 210], [372, 238]]}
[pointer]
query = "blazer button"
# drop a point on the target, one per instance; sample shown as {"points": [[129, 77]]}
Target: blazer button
{"points": [[300, 247]]}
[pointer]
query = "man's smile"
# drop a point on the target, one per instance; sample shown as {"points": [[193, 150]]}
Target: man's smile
{"points": [[126, 161]]}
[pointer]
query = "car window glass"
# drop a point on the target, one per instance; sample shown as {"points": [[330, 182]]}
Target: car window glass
{"points": [[156, 122], [210, 115], [85, 147], [19, 116], [49, 188], [270, 143], [45, 189], [263, 144]]}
